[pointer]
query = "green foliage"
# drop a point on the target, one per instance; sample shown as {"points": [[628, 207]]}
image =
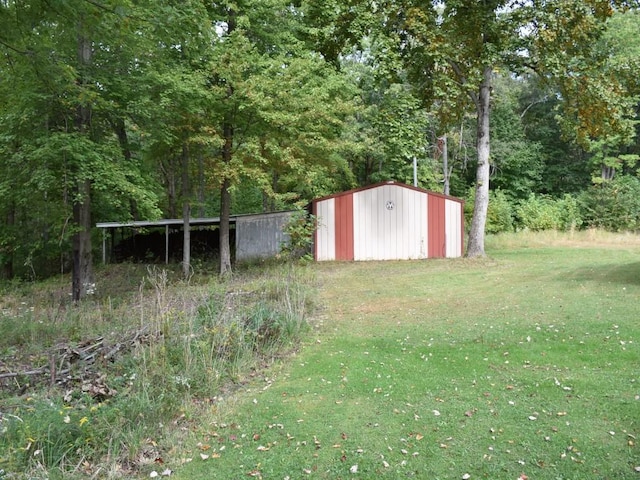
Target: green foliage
{"points": [[300, 230], [613, 205], [500, 212], [571, 216], [390, 126], [564, 168], [540, 212], [47, 435], [516, 162]]}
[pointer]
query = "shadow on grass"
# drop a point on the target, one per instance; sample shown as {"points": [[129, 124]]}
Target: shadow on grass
{"points": [[628, 274]]}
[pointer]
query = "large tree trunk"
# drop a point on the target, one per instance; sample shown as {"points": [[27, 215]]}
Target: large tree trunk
{"points": [[82, 275], [476, 235], [186, 214], [227, 153]]}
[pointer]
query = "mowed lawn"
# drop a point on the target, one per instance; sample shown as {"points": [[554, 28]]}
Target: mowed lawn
{"points": [[525, 364]]}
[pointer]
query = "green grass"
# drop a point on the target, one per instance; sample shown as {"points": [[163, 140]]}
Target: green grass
{"points": [[527, 361]]}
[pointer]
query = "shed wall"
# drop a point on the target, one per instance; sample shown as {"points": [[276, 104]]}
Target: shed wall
{"points": [[261, 236], [454, 227], [325, 236], [344, 227]]}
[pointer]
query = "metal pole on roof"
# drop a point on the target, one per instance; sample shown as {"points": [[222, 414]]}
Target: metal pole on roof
{"points": [[415, 171]]}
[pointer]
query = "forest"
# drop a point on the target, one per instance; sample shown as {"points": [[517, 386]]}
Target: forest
{"points": [[118, 110]]}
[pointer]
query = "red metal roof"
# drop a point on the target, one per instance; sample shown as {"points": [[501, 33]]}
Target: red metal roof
{"points": [[389, 182]]}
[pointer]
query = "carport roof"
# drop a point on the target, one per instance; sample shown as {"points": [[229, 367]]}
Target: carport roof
{"points": [[164, 223]]}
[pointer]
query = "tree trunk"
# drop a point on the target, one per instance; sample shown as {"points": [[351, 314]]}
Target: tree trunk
{"points": [[168, 171], [446, 171], [476, 235], [120, 130], [202, 187], [225, 205], [227, 153], [186, 214], [82, 275]]}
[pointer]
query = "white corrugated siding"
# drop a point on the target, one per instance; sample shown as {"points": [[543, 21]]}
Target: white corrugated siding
{"points": [[453, 228], [385, 234], [326, 231]]}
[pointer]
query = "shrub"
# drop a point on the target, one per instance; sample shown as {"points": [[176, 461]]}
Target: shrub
{"points": [[499, 213], [613, 205], [184, 345], [300, 232], [570, 216]]}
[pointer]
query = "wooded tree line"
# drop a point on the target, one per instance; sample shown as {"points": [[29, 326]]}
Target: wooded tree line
{"points": [[116, 110]]}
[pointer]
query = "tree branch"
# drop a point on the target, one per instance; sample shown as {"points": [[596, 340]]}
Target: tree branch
{"points": [[463, 81], [542, 100], [21, 52], [100, 6]]}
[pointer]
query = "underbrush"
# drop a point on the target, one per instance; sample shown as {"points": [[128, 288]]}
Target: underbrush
{"points": [[574, 238], [108, 388]]}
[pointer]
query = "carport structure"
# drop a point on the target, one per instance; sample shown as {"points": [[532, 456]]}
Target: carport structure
{"points": [[256, 235]]}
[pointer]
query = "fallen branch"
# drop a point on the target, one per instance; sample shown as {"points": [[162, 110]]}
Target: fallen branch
{"points": [[38, 371]]}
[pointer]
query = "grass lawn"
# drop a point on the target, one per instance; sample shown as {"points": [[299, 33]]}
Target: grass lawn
{"points": [[523, 364]]}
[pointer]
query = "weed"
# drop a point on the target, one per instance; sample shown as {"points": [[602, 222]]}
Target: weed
{"points": [[165, 349]]}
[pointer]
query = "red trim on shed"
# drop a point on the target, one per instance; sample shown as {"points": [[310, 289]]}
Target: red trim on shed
{"points": [[344, 227], [437, 231]]}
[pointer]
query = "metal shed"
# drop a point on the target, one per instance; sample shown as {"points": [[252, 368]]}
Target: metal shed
{"points": [[388, 221]]}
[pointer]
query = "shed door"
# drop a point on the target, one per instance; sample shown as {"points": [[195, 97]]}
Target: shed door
{"points": [[390, 222]]}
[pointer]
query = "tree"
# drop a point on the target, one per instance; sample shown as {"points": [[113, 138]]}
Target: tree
{"points": [[61, 124], [279, 104], [516, 161], [390, 128], [564, 163], [454, 49]]}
